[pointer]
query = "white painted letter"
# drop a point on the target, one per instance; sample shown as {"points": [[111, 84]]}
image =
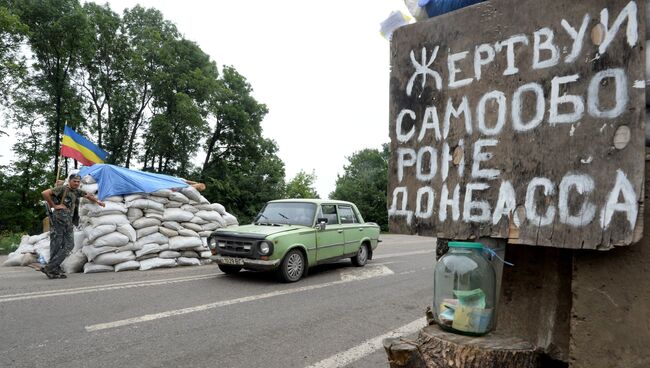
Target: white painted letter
{"points": [[578, 38], [621, 96], [445, 202], [517, 109], [433, 164], [510, 43], [423, 69], [418, 202], [546, 45], [403, 211], [584, 184], [630, 204], [628, 12], [531, 205], [480, 61], [401, 137], [577, 102], [451, 64], [463, 108], [500, 99], [506, 203], [445, 159], [482, 206], [479, 156], [402, 161], [430, 121]]}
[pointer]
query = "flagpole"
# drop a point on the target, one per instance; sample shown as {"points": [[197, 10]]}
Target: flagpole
{"points": [[58, 171]]}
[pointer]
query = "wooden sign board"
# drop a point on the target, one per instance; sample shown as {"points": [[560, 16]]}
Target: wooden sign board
{"points": [[521, 120]]}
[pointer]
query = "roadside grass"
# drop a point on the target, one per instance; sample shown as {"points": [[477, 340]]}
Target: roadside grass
{"points": [[9, 242]]}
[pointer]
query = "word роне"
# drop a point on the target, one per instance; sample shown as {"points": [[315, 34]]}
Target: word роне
{"points": [[496, 112]]}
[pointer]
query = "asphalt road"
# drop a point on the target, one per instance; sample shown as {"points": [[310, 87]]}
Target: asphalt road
{"points": [[200, 317]]}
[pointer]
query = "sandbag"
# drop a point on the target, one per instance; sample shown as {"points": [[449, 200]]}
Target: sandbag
{"points": [[74, 262], [184, 242], [191, 193], [219, 208], [161, 200], [131, 246], [209, 215], [172, 225], [147, 256], [145, 222], [88, 180], [145, 203], [162, 193], [109, 220], [230, 219], [19, 259], [177, 214], [36, 238], [116, 199], [205, 261], [43, 252], [192, 226], [79, 237], [89, 188], [198, 220], [132, 197], [111, 240], [91, 252], [189, 208], [157, 238], [134, 213], [127, 230], [188, 232], [184, 261], [94, 268], [169, 254], [206, 254], [151, 248], [110, 208], [189, 254], [157, 262], [156, 215], [141, 233], [113, 258], [127, 266], [179, 197], [211, 226], [205, 234], [167, 232], [174, 204]]}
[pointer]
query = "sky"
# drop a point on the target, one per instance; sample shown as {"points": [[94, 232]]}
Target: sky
{"points": [[322, 69]]}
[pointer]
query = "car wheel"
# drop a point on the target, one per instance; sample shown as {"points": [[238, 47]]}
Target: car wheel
{"points": [[361, 258], [292, 267], [229, 269]]}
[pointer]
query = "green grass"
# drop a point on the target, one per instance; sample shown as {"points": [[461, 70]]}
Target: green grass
{"points": [[9, 242]]}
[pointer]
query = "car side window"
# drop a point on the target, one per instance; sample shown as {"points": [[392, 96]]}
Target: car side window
{"points": [[329, 212], [347, 215]]}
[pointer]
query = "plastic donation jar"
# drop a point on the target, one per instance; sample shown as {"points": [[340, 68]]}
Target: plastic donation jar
{"points": [[464, 288]]}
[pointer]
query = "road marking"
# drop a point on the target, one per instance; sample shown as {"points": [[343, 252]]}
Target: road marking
{"points": [[379, 272], [92, 289], [402, 254], [371, 270], [369, 346]]}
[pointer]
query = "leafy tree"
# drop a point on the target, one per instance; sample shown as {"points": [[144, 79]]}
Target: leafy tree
{"points": [[12, 63], [364, 182], [301, 186]]}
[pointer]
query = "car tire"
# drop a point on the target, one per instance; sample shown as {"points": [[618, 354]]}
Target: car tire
{"points": [[292, 267], [227, 269], [361, 258]]}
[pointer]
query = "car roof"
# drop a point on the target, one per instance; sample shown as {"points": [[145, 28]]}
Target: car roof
{"points": [[311, 200]]}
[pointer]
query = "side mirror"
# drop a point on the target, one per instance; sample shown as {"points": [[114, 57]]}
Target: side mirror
{"points": [[321, 223]]}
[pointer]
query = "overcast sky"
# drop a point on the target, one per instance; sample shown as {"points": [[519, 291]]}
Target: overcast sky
{"points": [[322, 68]]}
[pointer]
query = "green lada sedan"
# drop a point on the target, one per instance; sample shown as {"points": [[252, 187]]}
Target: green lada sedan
{"points": [[291, 235]]}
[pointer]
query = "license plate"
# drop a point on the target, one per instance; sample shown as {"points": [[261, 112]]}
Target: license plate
{"points": [[233, 261]]}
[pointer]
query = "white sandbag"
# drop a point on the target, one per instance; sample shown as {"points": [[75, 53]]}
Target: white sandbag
{"points": [[188, 232], [167, 232], [172, 225], [174, 204], [74, 262], [147, 256], [203, 200], [209, 215], [157, 238], [191, 193], [219, 208], [127, 230], [91, 252], [230, 219], [116, 199], [169, 254], [111, 240], [127, 266], [205, 234], [36, 238], [184, 261], [156, 215], [157, 262], [89, 188], [19, 259], [179, 197], [198, 220], [189, 208], [79, 237], [95, 268], [109, 220], [189, 254], [211, 226], [131, 246], [43, 243], [110, 208], [145, 203], [192, 226], [113, 258], [145, 222], [177, 214], [134, 213], [205, 261], [205, 254], [151, 248], [161, 200], [183, 242], [162, 193], [44, 252], [141, 233], [88, 180], [133, 197]]}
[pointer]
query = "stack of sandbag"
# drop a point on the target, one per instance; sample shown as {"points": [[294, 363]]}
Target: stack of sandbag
{"points": [[35, 247], [167, 228]]}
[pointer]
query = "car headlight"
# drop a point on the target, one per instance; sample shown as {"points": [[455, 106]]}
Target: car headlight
{"points": [[212, 243], [265, 248]]}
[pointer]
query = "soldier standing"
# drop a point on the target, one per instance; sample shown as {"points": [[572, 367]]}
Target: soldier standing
{"points": [[63, 201]]}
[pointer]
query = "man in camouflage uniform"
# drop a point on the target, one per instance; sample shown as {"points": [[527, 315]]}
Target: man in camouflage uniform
{"points": [[63, 201]]}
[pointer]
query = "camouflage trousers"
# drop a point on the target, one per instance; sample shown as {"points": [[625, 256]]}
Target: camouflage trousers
{"points": [[61, 239]]}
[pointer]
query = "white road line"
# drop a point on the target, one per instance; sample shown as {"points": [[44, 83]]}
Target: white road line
{"points": [[368, 347], [91, 289], [389, 255], [223, 303]]}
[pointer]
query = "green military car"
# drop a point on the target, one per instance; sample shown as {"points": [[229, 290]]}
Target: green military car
{"points": [[291, 235]]}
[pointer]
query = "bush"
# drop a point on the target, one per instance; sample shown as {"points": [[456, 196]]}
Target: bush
{"points": [[9, 242]]}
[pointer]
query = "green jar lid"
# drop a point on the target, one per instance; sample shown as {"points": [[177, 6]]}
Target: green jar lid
{"points": [[465, 245]]}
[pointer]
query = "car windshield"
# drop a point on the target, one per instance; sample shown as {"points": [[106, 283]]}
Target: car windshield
{"points": [[279, 213]]}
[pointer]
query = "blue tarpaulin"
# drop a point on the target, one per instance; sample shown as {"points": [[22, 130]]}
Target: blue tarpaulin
{"points": [[114, 180]]}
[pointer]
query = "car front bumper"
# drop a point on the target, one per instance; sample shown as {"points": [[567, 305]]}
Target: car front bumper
{"points": [[253, 264]]}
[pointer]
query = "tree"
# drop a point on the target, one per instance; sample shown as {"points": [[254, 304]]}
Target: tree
{"points": [[301, 186], [365, 182], [12, 63]]}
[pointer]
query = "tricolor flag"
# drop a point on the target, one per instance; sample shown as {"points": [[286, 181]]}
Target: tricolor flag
{"points": [[81, 149]]}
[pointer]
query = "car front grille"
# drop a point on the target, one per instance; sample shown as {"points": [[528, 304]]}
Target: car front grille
{"points": [[240, 247]]}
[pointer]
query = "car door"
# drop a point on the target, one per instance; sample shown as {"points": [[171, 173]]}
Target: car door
{"points": [[352, 229], [329, 242]]}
